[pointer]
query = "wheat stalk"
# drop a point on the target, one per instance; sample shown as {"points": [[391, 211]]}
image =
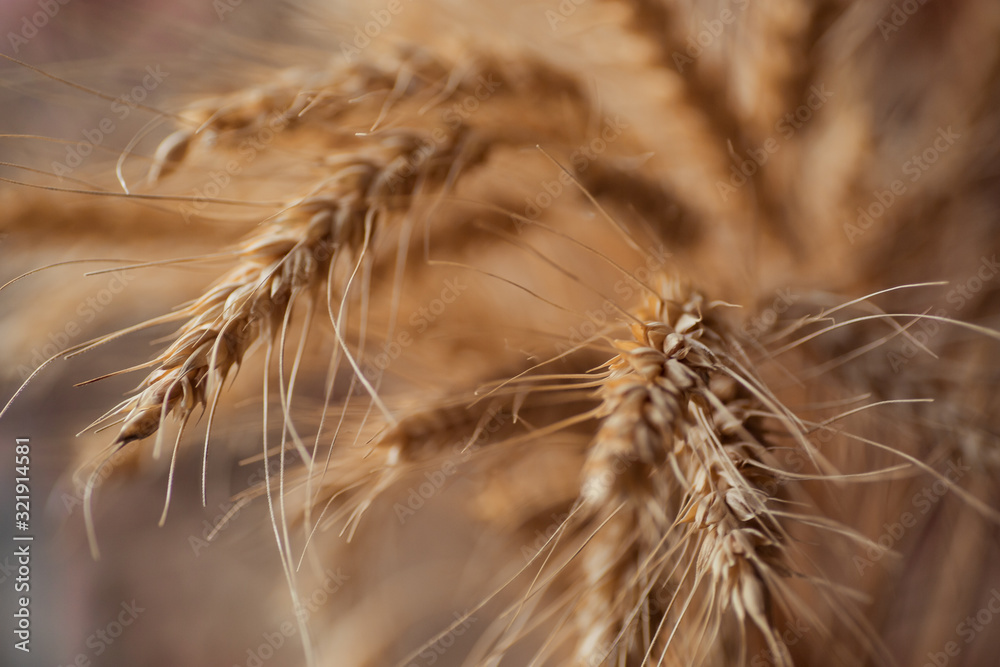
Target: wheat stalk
{"points": [[627, 485]]}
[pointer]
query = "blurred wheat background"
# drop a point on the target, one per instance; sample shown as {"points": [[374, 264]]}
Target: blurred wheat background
{"points": [[592, 332]]}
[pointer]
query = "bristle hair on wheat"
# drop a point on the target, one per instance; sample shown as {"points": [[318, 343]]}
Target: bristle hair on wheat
{"points": [[667, 472], [315, 245], [583, 456], [290, 258], [672, 525]]}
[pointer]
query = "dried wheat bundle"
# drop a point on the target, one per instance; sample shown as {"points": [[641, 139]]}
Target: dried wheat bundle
{"points": [[615, 333]]}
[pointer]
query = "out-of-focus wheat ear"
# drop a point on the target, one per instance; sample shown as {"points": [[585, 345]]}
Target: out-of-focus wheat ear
{"points": [[440, 431], [326, 239], [408, 93]]}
